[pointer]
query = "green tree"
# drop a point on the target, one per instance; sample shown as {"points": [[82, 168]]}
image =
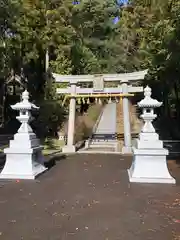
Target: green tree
{"points": [[161, 46], [93, 23]]}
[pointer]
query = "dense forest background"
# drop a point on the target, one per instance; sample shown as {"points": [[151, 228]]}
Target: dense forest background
{"points": [[85, 36]]}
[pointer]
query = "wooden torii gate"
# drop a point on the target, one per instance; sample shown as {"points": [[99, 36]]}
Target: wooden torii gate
{"points": [[124, 90]]}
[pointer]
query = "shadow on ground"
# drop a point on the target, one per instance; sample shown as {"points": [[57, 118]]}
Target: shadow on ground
{"points": [[51, 160]]}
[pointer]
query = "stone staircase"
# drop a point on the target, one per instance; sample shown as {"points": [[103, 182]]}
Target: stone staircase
{"points": [[103, 138], [108, 133]]}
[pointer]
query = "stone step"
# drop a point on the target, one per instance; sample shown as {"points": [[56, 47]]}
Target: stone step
{"points": [[102, 149], [103, 145], [94, 141]]}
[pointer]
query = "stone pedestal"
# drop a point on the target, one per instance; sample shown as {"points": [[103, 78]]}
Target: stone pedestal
{"points": [[21, 164], [24, 158], [149, 165], [149, 157]]}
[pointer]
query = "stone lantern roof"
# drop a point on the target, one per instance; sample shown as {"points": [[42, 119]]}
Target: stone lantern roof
{"points": [[148, 102], [24, 104]]}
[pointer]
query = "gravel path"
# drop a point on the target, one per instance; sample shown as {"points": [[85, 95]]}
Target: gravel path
{"points": [[88, 197]]}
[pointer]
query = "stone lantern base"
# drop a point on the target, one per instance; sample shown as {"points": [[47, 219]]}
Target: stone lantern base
{"points": [[150, 166], [24, 158]]}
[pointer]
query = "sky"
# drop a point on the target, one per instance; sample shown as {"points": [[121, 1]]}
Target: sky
{"points": [[118, 2], [122, 1], [116, 19]]}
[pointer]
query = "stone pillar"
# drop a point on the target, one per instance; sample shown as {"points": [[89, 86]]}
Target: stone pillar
{"points": [[126, 120], [70, 147]]}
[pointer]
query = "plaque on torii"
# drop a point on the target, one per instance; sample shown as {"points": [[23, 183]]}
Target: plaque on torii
{"points": [[98, 83]]}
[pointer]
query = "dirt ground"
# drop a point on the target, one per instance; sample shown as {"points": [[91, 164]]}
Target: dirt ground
{"points": [[88, 197]]}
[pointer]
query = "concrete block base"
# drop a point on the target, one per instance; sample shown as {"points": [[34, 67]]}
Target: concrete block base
{"points": [[150, 180], [27, 164], [39, 169], [126, 150], [69, 149]]}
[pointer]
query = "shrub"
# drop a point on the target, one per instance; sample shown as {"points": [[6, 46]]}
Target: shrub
{"points": [[48, 120]]}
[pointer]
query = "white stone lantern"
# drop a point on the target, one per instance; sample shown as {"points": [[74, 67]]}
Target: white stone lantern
{"points": [[149, 157], [24, 158]]}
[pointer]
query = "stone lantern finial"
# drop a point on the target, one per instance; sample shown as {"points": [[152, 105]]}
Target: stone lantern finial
{"points": [[25, 95], [147, 92]]}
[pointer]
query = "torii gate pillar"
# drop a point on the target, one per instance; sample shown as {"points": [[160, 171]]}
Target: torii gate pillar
{"points": [[126, 120], [70, 147]]}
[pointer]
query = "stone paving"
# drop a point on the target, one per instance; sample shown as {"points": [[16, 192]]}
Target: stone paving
{"points": [[88, 197]]}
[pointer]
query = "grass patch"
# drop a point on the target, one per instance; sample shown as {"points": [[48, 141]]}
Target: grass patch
{"points": [[3, 147], [93, 112], [48, 151], [84, 124], [52, 145]]}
